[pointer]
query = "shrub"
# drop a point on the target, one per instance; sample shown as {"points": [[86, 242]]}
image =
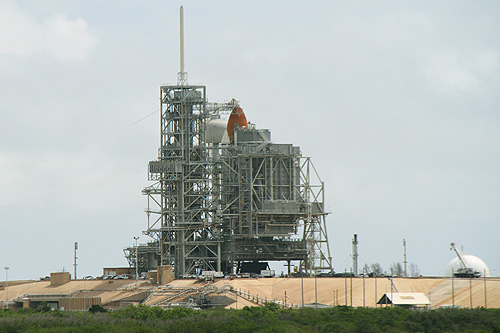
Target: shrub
{"points": [[43, 307], [97, 308]]}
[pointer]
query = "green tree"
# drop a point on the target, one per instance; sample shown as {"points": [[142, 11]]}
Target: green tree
{"points": [[414, 270], [97, 308], [397, 269], [376, 268], [43, 307]]}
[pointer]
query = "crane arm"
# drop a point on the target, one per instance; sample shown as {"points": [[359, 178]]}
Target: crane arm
{"points": [[393, 286], [462, 262]]}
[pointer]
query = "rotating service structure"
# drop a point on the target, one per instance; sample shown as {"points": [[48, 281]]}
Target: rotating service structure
{"points": [[232, 203]]}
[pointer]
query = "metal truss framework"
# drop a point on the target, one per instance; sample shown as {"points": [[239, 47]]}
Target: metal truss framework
{"points": [[315, 231], [213, 206]]}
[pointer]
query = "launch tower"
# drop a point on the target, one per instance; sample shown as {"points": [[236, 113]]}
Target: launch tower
{"points": [[224, 197]]}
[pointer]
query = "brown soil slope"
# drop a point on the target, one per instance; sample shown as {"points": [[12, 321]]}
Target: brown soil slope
{"points": [[328, 291]]}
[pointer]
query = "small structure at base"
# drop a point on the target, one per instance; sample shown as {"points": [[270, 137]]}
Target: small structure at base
{"points": [[59, 278], [316, 306], [57, 301], [114, 271], [162, 275], [165, 274], [405, 300]]}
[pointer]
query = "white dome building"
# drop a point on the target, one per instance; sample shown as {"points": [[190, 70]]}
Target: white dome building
{"points": [[471, 261]]}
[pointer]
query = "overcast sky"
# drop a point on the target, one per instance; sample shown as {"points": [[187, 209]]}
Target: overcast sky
{"points": [[397, 103]]}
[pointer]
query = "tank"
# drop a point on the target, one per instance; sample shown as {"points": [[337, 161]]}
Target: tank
{"points": [[216, 131], [237, 118]]}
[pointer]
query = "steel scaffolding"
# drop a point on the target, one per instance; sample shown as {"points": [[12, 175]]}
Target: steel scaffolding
{"points": [[217, 206]]}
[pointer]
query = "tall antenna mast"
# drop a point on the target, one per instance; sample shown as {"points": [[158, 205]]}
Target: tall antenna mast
{"points": [[182, 75], [75, 257], [404, 255], [355, 255]]}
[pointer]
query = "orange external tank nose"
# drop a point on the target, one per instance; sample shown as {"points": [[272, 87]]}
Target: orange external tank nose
{"points": [[237, 117]]}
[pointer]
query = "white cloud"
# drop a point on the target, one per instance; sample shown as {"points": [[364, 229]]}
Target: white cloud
{"points": [[449, 72], [67, 39], [59, 37], [19, 32]]}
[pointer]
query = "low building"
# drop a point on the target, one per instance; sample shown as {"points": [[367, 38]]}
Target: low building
{"points": [[405, 300], [118, 271], [56, 301]]}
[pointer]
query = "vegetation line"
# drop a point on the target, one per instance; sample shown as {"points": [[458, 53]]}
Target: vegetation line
{"points": [[269, 318]]}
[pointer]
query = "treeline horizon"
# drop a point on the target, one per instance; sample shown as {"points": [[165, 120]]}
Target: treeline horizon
{"points": [[269, 318]]}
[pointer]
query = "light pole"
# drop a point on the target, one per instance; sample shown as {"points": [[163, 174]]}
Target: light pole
{"points": [[136, 260], [6, 286], [75, 257]]}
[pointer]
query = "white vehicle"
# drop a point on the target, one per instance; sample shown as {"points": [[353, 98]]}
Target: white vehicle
{"points": [[267, 273], [212, 274]]}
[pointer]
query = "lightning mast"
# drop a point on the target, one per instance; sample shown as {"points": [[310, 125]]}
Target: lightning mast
{"points": [[182, 77]]}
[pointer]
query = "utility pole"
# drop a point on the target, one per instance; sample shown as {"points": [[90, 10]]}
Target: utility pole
{"points": [[316, 290], [452, 288], [364, 304], [485, 302], [136, 261], [84, 299], [351, 287], [470, 291], [392, 290], [6, 286], [75, 257], [345, 287], [302, 285]]}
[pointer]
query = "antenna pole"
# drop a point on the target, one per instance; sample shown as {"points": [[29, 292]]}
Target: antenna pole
{"points": [[355, 254], [75, 257], [404, 255]]}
